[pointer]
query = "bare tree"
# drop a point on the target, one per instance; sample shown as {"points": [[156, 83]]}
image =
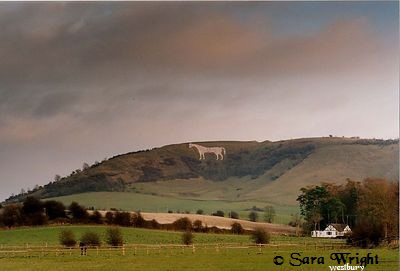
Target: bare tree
{"points": [[269, 214]]}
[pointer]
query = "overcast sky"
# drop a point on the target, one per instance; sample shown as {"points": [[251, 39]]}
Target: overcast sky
{"points": [[83, 81]]}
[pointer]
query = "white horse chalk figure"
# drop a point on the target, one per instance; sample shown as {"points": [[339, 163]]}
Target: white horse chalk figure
{"points": [[218, 151]]}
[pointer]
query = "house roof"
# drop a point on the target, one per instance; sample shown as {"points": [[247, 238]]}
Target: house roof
{"points": [[339, 227]]}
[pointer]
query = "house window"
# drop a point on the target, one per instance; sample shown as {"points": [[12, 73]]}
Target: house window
{"points": [[329, 233]]}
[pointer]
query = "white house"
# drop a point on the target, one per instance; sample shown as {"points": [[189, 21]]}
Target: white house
{"points": [[332, 231]]}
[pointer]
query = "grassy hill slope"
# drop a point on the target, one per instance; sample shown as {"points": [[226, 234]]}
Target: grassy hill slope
{"points": [[267, 172], [332, 164]]}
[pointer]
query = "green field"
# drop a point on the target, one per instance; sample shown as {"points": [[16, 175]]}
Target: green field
{"points": [[49, 235], [154, 203], [207, 260], [206, 256]]}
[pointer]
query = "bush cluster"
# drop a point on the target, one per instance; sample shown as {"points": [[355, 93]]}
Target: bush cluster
{"points": [[90, 238], [187, 238], [67, 238], [113, 237], [236, 228], [36, 212], [260, 236]]}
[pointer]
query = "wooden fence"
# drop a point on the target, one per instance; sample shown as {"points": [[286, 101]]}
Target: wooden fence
{"points": [[29, 250]]}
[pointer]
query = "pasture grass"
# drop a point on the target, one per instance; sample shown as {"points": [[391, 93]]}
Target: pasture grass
{"points": [[234, 259], [129, 201], [207, 256], [49, 235]]}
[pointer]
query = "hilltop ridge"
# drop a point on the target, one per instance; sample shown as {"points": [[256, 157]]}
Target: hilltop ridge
{"points": [[264, 170]]}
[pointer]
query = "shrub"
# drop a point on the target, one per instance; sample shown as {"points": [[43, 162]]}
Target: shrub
{"points": [[123, 219], [114, 237], [109, 218], [12, 215], [154, 224], [253, 216], [32, 205], [54, 209], [33, 211], [91, 239], [233, 215], [138, 220], [214, 229], [36, 219], [260, 236], [96, 217], [236, 228], [199, 212], [67, 238], [78, 212], [187, 238], [219, 213], [197, 225], [182, 224], [366, 235]]}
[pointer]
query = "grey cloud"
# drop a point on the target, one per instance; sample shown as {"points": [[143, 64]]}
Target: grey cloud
{"points": [[53, 103], [71, 72], [84, 41]]}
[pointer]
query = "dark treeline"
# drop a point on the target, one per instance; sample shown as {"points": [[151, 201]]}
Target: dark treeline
{"points": [[34, 212], [370, 208]]}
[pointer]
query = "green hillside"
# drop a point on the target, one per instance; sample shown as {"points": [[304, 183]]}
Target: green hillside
{"points": [[266, 172], [151, 203]]}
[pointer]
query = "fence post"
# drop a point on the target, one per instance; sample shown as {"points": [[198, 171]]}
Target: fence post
{"points": [[135, 250], [193, 249], [97, 250], [123, 250]]}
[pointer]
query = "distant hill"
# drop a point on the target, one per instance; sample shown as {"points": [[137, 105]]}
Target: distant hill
{"points": [[266, 171]]}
